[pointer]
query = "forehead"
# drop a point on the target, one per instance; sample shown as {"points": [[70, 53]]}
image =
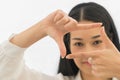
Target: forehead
{"points": [[85, 33]]}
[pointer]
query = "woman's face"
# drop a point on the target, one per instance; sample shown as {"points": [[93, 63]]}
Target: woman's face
{"points": [[85, 41]]}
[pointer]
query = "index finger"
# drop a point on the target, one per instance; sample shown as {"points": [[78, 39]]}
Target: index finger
{"points": [[89, 26], [81, 54], [79, 26]]}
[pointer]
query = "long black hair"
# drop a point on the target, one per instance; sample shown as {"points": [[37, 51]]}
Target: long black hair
{"points": [[91, 12]]}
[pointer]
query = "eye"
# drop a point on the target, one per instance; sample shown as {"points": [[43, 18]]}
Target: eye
{"points": [[97, 42], [78, 44]]}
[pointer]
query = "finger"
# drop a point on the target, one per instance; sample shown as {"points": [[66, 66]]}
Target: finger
{"points": [[99, 71], [63, 21], [89, 26], [80, 55], [59, 15], [94, 61], [61, 46], [82, 26], [108, 43], [90, 60], [71, 25]]}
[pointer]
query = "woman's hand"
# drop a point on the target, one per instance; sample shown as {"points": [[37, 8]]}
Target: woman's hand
{"points": [[55, 24], [106, 62], [58, 23]]}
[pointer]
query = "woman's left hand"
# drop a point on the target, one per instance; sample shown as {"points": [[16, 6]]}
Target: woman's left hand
{"points": [[105, 62]]}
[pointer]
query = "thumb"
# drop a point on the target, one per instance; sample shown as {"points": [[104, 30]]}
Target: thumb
{"points": [[61, 45], [108, 43]]}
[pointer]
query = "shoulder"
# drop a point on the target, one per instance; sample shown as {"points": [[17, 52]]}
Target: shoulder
{"points": [[62, 77]]}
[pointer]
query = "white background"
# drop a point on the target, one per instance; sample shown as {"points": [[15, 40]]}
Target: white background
{"points": [[18, 15]]}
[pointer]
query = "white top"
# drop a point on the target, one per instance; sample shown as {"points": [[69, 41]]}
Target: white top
{"points": [[12, 66]]}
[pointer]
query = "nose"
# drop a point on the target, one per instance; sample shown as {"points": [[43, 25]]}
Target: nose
{"points": [[89, 48]]}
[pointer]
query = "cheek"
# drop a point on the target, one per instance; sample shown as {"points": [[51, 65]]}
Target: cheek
{"points": [[73, 49], [78, 63]]}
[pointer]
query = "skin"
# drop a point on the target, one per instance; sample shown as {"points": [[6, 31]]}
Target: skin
{"points": [[86, 41], [55, 25], [104, 55]]}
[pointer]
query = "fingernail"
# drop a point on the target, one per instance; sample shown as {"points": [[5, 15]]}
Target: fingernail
{"points": [[62, 57], [68, 57], [90, 60], [101, 23], [102, 29]]}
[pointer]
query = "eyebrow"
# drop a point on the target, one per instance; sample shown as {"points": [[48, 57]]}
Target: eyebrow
{"points": [[94, 37], [97, 36], [77, 39]]}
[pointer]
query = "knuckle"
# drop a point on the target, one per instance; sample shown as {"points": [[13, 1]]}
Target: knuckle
{"points": [[65, 19], [59, 11], [73, 22]]}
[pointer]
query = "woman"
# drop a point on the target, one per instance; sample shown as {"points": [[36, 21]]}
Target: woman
{"points": [[89, 13], [55, 25]]}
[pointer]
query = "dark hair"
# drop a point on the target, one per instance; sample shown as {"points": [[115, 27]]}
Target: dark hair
{"points": [[91, 12]]}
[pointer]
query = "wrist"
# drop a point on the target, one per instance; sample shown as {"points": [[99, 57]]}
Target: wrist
{"points": [[39, 29], [29, 36]]}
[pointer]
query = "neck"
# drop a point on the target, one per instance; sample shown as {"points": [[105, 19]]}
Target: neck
{"points": [[86, 76]]}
